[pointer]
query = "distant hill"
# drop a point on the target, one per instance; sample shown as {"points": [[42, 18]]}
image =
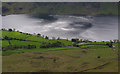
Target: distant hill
{"points": [[91, 8]]}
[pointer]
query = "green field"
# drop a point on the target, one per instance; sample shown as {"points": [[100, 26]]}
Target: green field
{"points": [[88, 57], [61, 60], [28, 39]]}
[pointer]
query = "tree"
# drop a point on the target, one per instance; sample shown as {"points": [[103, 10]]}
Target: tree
{"points": [[46, 37], [115, 41], [75, 40], [58, 38], [38, 34], [6, 38], [75, 45], [111, 41], [86, 40], [31, 46], [54, 60], [3, 29], [81, 40], [109, 44], [13, 29], [57, 44], [10, 30], [98, 57]]}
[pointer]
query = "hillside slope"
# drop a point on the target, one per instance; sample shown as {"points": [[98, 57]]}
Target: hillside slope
{"points": [[16, 40], [94, 8]]}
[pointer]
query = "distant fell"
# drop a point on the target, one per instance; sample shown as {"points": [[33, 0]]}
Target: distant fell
{"points": [[85, 8]]}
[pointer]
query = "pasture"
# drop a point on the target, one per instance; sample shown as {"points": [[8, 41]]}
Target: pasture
{"points": [[19, 56], [62, 60]]}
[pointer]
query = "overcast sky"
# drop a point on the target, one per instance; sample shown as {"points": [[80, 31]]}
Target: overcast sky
{"points": [[59, 0]]}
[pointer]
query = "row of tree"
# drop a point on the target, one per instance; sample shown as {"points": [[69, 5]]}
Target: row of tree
{"points": [[44, 45], [76, 40], [39, 35]]}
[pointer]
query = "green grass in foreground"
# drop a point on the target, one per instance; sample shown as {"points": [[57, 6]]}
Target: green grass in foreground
{"points": [[74, 60]]}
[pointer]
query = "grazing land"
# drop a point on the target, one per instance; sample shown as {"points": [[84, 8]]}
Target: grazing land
{"points": [[61, 60], [24, 52]]}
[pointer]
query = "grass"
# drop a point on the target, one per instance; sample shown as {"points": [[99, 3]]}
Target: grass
{"points": [[18, 51], [74, 60], [62, 59], [14, 34], [18, 35], [5, 43], [94, 45]]}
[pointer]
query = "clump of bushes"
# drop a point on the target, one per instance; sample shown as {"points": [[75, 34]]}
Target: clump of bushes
{"points": [[55, 44], [109, 44], [75, 45]]}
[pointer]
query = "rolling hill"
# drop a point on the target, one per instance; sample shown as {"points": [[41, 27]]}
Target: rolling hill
{"points": [[85, 8]]}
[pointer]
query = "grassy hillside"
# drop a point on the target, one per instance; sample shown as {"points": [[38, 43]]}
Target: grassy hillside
{"points": [[23, 52], [24, 40], [5, 43], [94, 8], [60, 60]]}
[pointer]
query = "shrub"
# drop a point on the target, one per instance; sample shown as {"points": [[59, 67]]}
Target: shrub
{"points": [[10, 30], [31, 46], [75, 45], [38, 34], [75, 40], [109, 44], [46, 37], [98, 57], [55, 44], [6, 38]]}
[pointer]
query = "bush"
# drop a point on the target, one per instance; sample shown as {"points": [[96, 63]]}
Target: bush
{"points": [[10, 47], [75, 45], [6, 38], [75, 40], [46, 37], [10, 30], [31, 46], [38, 34], [55, 44], [109, 44]]}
